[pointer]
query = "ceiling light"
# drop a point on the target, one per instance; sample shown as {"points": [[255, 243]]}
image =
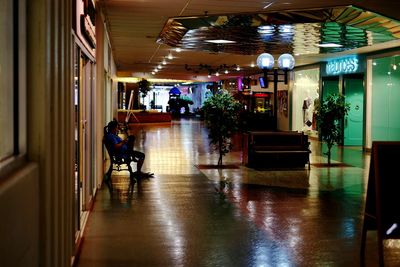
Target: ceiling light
{"points": [[252, 65], [268, 4], [220, 41], [266, 29], [238, 68], [286, 28], [164, 62], [153, 72], [226, 71], [217, 74], [159, 67], [156, 70], [178, 49], [330, 45], [209, 76], [170, 56]]}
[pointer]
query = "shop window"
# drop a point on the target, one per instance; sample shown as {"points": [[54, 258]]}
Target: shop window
{"points": [[12, 81]]}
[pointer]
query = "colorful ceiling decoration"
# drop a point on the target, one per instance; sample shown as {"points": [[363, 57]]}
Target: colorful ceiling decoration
{"points": [[317, 31]]}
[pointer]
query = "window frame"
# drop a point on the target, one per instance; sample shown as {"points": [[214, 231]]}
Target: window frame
{"points": [[13, 161]]}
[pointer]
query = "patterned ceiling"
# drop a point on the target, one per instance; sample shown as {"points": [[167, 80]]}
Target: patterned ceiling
{"points": [[297, 31], [138, 47]]}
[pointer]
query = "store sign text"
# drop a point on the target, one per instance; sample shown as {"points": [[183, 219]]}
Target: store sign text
{"points": [[342, 66]]}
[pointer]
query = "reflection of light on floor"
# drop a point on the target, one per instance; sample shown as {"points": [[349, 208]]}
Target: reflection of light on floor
{"points": [[172, 230]]}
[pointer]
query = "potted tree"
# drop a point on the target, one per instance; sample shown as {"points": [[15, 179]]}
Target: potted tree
{"points": [[329, 116], [221, 114], [144, 88]]}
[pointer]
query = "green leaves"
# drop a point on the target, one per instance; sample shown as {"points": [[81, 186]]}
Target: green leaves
{"points": [[221, 113], [144, 87], [329, 115]]}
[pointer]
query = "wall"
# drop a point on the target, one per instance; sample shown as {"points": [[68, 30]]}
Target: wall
{"points": [[19, 227], [106, 92], [50, 126], [386, 99], [283, 100]]}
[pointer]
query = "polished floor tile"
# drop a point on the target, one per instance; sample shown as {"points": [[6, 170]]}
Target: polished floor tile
{"points": [[191, 215]]}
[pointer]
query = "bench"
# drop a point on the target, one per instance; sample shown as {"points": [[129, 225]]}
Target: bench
{"points": [[117, 163], [267, 149]]}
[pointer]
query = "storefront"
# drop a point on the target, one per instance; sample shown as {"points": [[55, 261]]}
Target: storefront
{"points": [[346, 76], [84, 100]]}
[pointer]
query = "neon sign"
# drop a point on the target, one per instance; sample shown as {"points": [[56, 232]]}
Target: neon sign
{"points": [[342, 66]]}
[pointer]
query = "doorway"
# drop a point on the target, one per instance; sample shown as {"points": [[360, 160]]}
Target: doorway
{"points": [[353, 88]]}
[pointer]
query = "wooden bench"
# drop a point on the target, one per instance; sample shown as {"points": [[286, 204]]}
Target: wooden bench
{"points": [[286, 149]]}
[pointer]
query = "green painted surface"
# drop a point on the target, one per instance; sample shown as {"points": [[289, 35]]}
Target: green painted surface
{"points": [[354, 123], [386, 99], [329, 87]]}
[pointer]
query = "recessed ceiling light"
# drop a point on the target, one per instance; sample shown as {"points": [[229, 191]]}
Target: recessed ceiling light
{"points": [[268, 4], [330, 45], [220, 41]]}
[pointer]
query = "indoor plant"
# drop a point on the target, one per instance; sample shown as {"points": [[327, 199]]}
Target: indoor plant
{"points": [[329, 115], [144, 88], [221, 114]]}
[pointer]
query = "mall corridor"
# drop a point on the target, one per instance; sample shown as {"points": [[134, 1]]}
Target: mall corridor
{"points": [[193, 215]]}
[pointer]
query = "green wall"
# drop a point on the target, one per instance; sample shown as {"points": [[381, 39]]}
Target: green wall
{"points": [[386, 99]]}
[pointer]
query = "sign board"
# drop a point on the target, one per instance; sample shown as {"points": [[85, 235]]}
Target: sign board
{"points": [[382, 210], [342, 66]]}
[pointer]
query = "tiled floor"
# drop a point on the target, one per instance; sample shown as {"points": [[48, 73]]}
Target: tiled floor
{"points": [[190, 216]]}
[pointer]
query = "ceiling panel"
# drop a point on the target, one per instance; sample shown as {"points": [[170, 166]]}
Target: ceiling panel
{"points": [[134, 26]]}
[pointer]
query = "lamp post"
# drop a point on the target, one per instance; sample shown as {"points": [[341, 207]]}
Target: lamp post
{"points": [[266, 62]]}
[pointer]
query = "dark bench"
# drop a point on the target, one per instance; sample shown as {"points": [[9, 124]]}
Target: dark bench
{"points": [[116, 163], [285, 149]]}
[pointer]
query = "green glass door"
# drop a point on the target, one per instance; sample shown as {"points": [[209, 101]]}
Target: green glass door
{"points": [[354, 123], [330, 87]]}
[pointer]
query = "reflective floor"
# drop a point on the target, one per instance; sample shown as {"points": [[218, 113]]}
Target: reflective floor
{"points": [[190, 214]]}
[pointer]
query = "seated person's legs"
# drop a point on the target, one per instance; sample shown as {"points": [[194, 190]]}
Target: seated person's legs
{"points": [[139, 158]]}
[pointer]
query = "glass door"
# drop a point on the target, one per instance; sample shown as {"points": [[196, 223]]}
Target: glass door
{"points": [[86, 144], [354, 123], [78, 184]]}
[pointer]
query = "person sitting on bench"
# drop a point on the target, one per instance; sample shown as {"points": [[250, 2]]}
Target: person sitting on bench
{"points": [[123, 148]]}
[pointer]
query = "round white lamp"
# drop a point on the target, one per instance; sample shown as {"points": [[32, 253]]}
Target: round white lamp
{"points": [[286, 62], [265, 61]]}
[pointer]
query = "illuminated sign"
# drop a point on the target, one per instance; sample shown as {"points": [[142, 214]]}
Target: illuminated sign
{"points": [[342, 66]]}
